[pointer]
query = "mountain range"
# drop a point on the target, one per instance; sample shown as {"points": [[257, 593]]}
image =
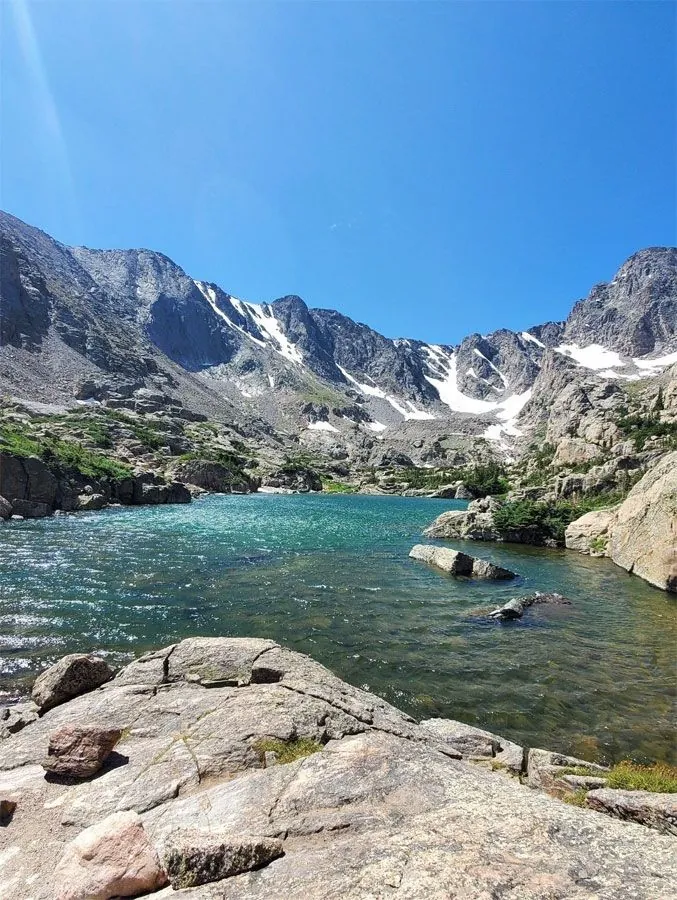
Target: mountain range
{"points": [[130, 327]]}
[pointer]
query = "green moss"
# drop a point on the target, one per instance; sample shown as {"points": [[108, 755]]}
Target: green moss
{"points": [[660, 778], [288, 751]]}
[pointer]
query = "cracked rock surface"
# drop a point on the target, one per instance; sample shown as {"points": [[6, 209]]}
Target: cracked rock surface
{"points": [[386, 808]]}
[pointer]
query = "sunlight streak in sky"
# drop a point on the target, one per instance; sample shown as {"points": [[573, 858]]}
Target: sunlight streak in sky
{"points": [[48, 125]]}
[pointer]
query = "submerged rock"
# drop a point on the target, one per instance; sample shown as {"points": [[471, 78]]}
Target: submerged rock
{"points": [[70, 676], [457, 563], [514, 609]]}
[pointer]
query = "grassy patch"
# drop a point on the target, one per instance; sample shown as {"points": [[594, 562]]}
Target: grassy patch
{"points": [[660, 778], [56, 452], [338, 487], [598, 544], [575, 798], [288, 751]]}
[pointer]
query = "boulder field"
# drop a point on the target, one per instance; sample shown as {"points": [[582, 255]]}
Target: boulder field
{"points": [[246, 771]]}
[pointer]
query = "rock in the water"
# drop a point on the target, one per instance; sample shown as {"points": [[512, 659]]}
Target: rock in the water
{"points": [[657, 811], [481, 568], [514, 609], [74, 674], [456, 563], [5, 508], [91, 501], [452, 561], [113, 858], [79, 751], [644, 532], [590, 533], [192, 857]]}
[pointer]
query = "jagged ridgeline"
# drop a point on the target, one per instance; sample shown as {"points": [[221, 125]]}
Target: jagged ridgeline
{"points": [[123, 354]]}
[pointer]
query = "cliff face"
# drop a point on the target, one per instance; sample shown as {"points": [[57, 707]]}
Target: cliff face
{"points": [[248, 769]]}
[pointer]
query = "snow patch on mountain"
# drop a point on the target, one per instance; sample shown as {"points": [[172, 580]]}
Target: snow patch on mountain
{"points": [[594, 356], [659, 363], [408, 412], [321, 426], [443, 363], [267, 323], [532, 339]]}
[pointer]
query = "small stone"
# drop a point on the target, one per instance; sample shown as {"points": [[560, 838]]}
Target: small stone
{"points": [[113, 858], [71, 676], [193, 857], [79, 752]]}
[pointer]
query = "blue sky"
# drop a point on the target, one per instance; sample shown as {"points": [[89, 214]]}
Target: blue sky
{"points": [[429, 168]]}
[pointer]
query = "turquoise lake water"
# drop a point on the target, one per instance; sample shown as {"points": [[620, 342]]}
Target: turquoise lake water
{"points": [[329, 576]]}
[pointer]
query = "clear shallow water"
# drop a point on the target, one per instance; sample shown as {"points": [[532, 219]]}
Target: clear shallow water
{"points": [[329, 575]]}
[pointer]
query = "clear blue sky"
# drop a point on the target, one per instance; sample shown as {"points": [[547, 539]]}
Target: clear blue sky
{"points": [[429, 168]]}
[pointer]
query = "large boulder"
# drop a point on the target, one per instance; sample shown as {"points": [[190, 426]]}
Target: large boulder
{"points": [[27, 479], [79, 751], [212, 476], [72, 675], [590, 533], [644, 532], [113, 858], [475, 523]]}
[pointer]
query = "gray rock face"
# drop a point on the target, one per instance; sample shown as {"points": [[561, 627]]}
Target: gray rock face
{"points": [[643, 534], [456, 563], [634, 313], [24, 482], [5, 508], [384, 807], [72, 675], [14, 718]]}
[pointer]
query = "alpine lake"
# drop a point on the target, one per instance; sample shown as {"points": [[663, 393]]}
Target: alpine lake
{"points": [[329, 575]]}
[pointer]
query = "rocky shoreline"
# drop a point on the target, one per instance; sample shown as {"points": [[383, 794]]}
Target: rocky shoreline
{"points": [[232, 767]]}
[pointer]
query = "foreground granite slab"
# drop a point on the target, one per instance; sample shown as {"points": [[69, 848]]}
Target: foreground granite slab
{"points": [[383, 809]]}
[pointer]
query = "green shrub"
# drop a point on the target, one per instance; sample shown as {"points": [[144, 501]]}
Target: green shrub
{"points": [[338, 487], [640, 428]]}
